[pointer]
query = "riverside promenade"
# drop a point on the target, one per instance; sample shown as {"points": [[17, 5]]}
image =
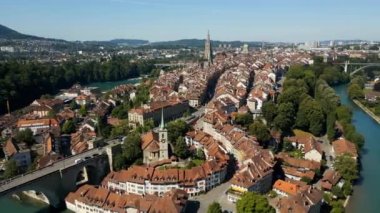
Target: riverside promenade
{"points": [[368, 111]]}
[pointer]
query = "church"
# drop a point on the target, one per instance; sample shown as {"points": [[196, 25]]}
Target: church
{"points": [[155, 144]]}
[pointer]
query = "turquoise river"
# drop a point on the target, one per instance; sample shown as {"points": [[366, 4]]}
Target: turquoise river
{"points": [[365, 198]]}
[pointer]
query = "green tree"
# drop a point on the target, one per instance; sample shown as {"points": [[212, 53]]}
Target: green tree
{"points": [[337, 191], [11, 169], [285, 117], [200, 154], [119, 162], [83, 110], [25, 136], [74, 105], [347, 167], [347, 188], [214, 208], [355, 92], [251, 202], [269, 110], [337, 207], [245, 119], [68, 127], [121, 129], [132, 148], [260, 130], [120, 111], [180, 148], [176, 129]]}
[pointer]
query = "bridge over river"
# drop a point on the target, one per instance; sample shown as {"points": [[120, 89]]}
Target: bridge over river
{"points": [[57, 180]]}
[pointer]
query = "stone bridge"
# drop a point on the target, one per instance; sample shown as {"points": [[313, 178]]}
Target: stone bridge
{"points": [[57, 180]]}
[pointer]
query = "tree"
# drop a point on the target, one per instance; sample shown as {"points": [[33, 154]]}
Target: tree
{"points": [[337, 207], [330, 125], [175, 129], [74, 105], [121, 129], [120, 111], [214, 208], [180, 148], [285, 117], [132, 148], [251, 202], [200, 154], [83, 110], [25, 136], [68, 127], [347, 167], [337, 191], [288, 147], [306, 180], [119, 162], [260, 130], [11, 169], [269, 111], [244, 119], [347, 188], [355, 92]]}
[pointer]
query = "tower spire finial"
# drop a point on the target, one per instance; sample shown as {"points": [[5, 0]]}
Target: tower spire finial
{"points": [[162, 125]]}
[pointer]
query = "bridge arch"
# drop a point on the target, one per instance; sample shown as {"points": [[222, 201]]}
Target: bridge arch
{"points": [[57, 184], [362, 68]]}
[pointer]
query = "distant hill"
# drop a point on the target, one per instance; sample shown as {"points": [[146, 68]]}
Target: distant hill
{"points": [[8, 33], [201, 42], [129, 42]]}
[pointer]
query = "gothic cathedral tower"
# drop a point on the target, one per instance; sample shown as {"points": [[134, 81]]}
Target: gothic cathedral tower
{"points": [[208, 49], [163, 139]]}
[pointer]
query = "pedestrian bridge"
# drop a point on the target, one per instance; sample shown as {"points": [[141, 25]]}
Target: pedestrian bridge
{"points": [[57, 180]]}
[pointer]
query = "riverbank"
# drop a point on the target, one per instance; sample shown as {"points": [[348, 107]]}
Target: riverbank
{"points": [[366, 188], [368, 111]]}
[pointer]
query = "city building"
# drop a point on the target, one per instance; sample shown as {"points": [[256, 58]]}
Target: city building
{"points": [[94, 199], [17, 152], [155, 145]]}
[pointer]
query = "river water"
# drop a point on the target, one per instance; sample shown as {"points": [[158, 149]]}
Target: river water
{"points": [[366, 197], [105, 86]]}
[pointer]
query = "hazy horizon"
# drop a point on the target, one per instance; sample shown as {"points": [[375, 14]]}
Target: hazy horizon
{"points": [[153, 20]]}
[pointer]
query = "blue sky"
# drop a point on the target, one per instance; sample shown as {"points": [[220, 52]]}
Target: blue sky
{"points": [[157, 20]]}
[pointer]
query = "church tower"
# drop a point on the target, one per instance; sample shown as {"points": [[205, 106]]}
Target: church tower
{"points": [[163, 139], [208, 49]]}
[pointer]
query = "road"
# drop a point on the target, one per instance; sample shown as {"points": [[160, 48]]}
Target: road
{"points": [[217, 194], [67, 162]]}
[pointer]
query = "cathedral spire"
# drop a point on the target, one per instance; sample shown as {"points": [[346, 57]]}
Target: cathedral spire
{"points": [[162, 125], [208, 49]]}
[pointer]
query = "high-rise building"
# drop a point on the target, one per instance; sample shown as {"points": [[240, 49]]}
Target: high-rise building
{"points": [[208, 49], [245, 49]]}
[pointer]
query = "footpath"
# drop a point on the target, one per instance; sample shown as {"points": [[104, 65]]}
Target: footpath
{"points": [[369, 112]]}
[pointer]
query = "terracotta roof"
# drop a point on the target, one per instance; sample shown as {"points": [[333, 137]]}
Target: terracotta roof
{"points": [[298, 172], [9, 147], [342, 146], [298, 163], [173, 201], [330, 178], [286, 187]]}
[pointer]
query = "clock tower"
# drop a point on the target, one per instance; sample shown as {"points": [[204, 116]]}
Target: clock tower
{"points": [[163, 139]]}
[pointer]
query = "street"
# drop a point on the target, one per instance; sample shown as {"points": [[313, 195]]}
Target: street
{"points": [[218, 194]]}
